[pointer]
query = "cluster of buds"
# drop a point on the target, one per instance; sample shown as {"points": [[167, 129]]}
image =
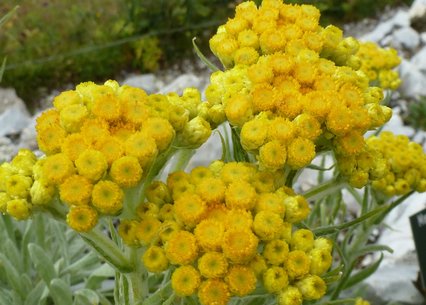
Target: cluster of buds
{"points": [[227, 227]]}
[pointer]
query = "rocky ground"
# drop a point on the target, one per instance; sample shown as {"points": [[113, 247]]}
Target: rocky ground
{"points": [[403, 28]]}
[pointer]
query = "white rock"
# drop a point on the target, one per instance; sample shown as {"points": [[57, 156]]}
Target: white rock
{"points": [[13, 120], [406, 37], [393, 282], [7, 149], [400, 19], [413, 80], [419, 60], [182, 82], [9, 98], [146, 82], [423, 37], [417, 14]]}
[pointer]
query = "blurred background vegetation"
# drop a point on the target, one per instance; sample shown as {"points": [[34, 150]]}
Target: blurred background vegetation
{"points": [[52, 43]]}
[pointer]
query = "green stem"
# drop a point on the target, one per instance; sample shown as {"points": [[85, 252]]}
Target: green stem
{"points": [[160, 295], [392, 206], [138, 278], [324, 189], [183, 156], [203, 58], [107, 249]]}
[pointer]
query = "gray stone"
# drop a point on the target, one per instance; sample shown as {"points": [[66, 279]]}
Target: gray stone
{"points": [[406, 38], [9, 98], [13, 120], [419, 60], [413, 80], [182, 82], [7, 149], [423, 37], [418, 15], [146, 82], [400, 19]]}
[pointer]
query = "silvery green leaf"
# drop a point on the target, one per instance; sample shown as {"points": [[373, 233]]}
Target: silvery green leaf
{"points": [[86, 297], [42, 263], [13, 255], [35, 295], [99, 275], [60, 292], [13, 276], [86, 262]]}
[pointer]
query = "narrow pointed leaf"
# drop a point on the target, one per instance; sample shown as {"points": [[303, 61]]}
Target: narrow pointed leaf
{"points": [[34, 296], [13, 276], [364, 273], [42, 263], [60, 292]]}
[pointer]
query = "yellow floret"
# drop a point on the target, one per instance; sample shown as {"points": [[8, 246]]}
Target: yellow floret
{"points": [[24, 162], [300, 152], [272, 155], [91, 164], [18, 209], [312, 287], [94, 130], [321, 261], [238, 219], [72, 117], [158, 193], [275, 279], [290, 296], [160, 130], [50, 138], [234, 171], [270, 202], [57, 168], [195, 133], [254, 133], [239, 246], [211, 190], [147, 230], [248, 39], [240, 195], [126, 171], [276, 251], [213, 292], [155, 260], [297, 208], [76, 190], [209, 234], [107, 197], [82, 218], [213, 265], [181, 248], [41, 192], [142, 146], [127, 231], [297, 264], [73, 145], [185, 280], [260, 73], [241, 280], [302, 239], [267, 225], [66, 98], [189, 209], [107, 107], [18, 186], [239, 109]]}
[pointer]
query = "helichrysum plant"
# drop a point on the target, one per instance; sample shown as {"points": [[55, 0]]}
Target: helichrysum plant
{"points": [[236, 230]]}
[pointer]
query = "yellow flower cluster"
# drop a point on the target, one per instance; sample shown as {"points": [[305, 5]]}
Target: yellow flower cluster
{"points": [[299, 97], [378, 64], [99, 139], [227, 227], [407, 164], [16, 185]]}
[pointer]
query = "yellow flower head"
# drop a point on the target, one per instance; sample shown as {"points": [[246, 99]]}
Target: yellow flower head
{"points": [[160, 130], [239, 109], [276, 252], [82, 218], [185, 280], [126, 171], [74, 145], [41, 192], [241, 280], [107, 197], [195, 133], [297, 208], [211, 190], [18, 186], [267, 225], [239, 246], [275, 279], [18, 209], [111, 148], [254, 133], [234, 171], [91, 164], [209, 234], [94, 129], [72, 117], [312, 287], [57, 168], [142, 146], [290, 296], [258, 265], [24, 162], [107, 107], [155, 260], [147, 230], [212, 265], [4, 199], [127, 231], [66, 98], [297, 264], [167, 228], [181, 248], [76, 190], [189, 209], [240, 195], [272, 155], [238, 219], [300, 152], [213, 292], [302, 239], [50, 138], [321, 261], [270, 202], [158, 193]]}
